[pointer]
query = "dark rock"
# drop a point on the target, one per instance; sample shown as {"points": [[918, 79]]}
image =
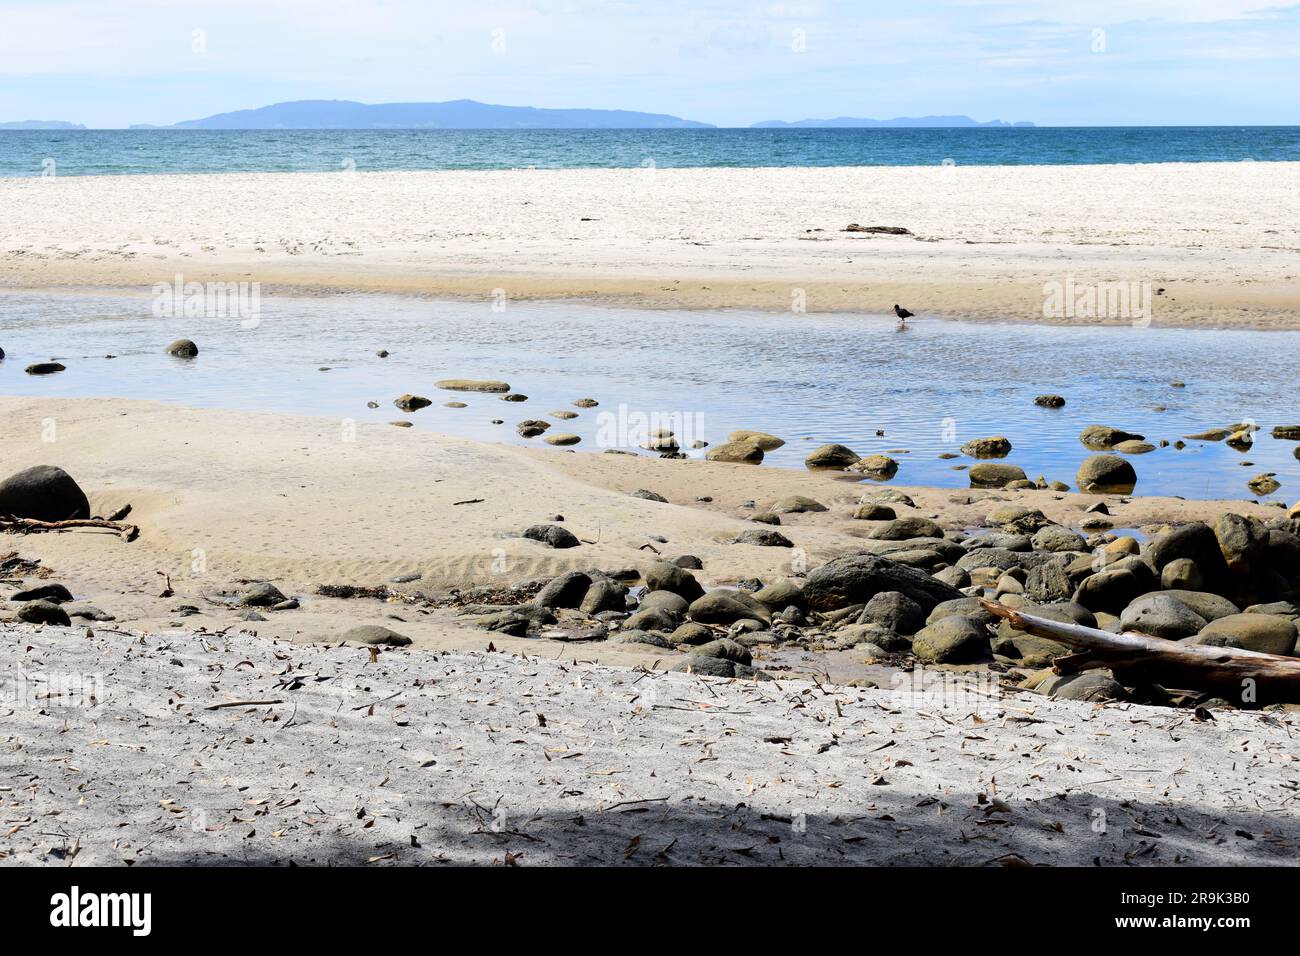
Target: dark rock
{"points": [[873, 511], [736, 452], [996, 447], [648, 495], [1196, 542], [781, 594], [565, 591], [690, 562], [411, 403], [902, 529], [262, 594], [895, 611], [1181, 574], [831, 456], [1106, 474], [1111, 590], [725, 606], [552, 535], [856, 578], [43, 612], [605, 594], [691, 633], [55, 593], [993, 475], [663, 576], [1047, 583], [1092, 686], [1209, 606], [1265, 633], [1050, 401], [795, 504], [44, 368], [43, 492], [1103, 437], [183, 348], [763, 538], [725, 648], [1160, 615]]}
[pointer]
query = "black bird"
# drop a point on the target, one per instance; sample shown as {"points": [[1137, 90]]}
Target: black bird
{"points": [[901, 312]]}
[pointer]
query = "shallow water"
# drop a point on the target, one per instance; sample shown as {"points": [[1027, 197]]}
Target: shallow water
{"points": [[807, 378]]}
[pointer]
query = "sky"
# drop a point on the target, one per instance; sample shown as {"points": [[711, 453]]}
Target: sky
{"points": [[110, 63]]}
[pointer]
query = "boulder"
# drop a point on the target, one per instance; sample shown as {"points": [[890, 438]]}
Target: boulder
{"points": [[762, 439], [831, 456], [995, 447], [763, 538], [1266, 633], [1048, 582], [43, 612], [605, 594], [691, 634], [567, 590], [55, 593], [1160, 615], [872, 511], [952, 640], [1054, 537], [262, 594], [1181, 574], [736, 452], [375, 634], [856, 578], [531, 428], [1106, 474], [1049, 401], [552, 535], [782, 594], [1209, 606], [411, 403], [665, 576], [895, 612], [726, 606], [795, 504], [647, 495], [878, 467], [562, 438], [44, 368], [1111, 590], [43, 492], [1092, 686], [993, 475], [1196, 542], [727, 649], [183, 348], [667, 601], [903, 529], [1103, 437]]}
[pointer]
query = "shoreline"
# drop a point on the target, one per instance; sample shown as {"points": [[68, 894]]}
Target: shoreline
{"points": [[1224, 252]]}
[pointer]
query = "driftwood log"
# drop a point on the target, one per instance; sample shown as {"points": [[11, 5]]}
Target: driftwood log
{"points": [[1238, 675], [129, 532]]}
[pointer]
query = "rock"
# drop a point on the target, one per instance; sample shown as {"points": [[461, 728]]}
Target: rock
{"points": [[55, 593], [872, 511], [781, 594], [454, 405], [44, 368], [649, 495], [1265, 633], [183, 348], [953, 577], [663, 576], [562, 439], [996, 447], [531, 428], [736, 452], [727, 649], [1047, 583], [652, 619], [1103, 437], [1106, 474], [795, 504], [692, 634], [262, 594], [551, 535], [994, 475], [1196, 542], [375, 634], [633, 635], [878, 467], [1160, 615], [1212, 607], [725, 606], [831, 456], [402, 424], [689, 561], [1285, 432], [1050, 401], [471, 385], [43, 492], [1287, 609], [894, 611], [1213, 434], [718, 667], [1181, 574], [762, 439], [43, 612], [763, 538], [1132, 447], [411, 403], [1264, 484], [856, 578], [566, 590], [667, 601], [1243, 542], [1111, 590], [902, 529], [1057, 538], [90, 612], [563, 414], [1093, 686], [952, 640], [1017, 519]]}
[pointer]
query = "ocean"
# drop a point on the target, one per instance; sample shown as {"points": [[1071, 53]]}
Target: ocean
{"points": [[121, 152]]}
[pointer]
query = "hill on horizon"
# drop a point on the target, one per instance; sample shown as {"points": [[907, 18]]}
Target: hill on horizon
{"points": [[454, 114]]}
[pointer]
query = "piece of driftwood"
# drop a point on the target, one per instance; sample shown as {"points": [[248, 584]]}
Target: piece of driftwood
{"points": [[1239, 675], [129, 532]]}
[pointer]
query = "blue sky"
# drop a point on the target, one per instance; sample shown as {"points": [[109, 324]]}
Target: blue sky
{"points": [[1085, 62]]}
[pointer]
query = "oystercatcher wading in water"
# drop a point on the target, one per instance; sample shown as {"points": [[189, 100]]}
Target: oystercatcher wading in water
{"points": [[903, 316]]}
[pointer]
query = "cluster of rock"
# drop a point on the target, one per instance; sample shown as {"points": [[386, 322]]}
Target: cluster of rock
{"points": [[914, 593]]}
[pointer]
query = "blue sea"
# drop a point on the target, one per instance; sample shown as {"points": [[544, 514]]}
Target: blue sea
{"points": [[115, 152]]}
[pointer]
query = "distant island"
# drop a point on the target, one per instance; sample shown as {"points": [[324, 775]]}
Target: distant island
{"points": [[41, 124], [914, 122], [456, 114]]}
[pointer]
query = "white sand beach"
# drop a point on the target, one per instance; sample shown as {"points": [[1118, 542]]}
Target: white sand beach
{"points": [[1219, 238]]}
